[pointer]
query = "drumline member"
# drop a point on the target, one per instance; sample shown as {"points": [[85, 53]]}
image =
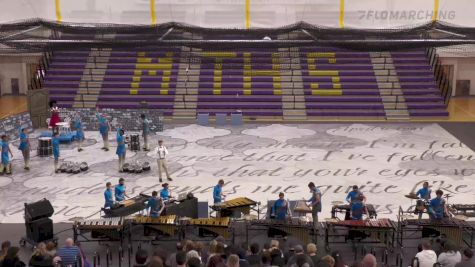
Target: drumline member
{"points": [[120, 148], [358, 208], [315, 202], [155, 205], [5, 167], [79, 133], [145, 131], [424, 195], [119, 190], [55, 144], [281, 208], [353, 197], [54, 116], [161, 161], [165, 193], [218, 195], [108, 196], [24, 146], [437, 207], [104, 128]]}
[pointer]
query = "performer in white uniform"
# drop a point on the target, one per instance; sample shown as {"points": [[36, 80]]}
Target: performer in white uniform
{"points": [[162, 164]]}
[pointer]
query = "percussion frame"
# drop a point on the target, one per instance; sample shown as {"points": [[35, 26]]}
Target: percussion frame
{"points": [[257, 226], [333, 234], [460, 229], [79, 235], [337, 209], [216, 211], [178, 236]]}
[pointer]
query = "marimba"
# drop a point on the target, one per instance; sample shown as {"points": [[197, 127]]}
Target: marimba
{"points": [[372, 231], [166, 224], [234, 207], [302, 230], [213, 226], [459, 231], [127, 207], [104, 229], [345, 208]]}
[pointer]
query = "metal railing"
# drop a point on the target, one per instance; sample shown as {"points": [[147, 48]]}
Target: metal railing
{"points": [[444, 83], [38, 76]]}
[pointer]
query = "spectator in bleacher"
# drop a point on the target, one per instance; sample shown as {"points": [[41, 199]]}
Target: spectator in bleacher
{"points": [[274, 244], [289, 254], [467, 261], [266, 258], [51, 248], [200, 248], [369, 260], [329, 260], [40, 257], [299, 254], [5, 246], [70, 254], [216, 261], [339, 262], [180, 259], [254, 258], [193, 262], [277, 257], [155, 262], [312, 253], [141, 258], [450, 256], [188, 245], [192, 254], [171, 261], [11, 258], [427, 257], [159, 253], [233, 261]]}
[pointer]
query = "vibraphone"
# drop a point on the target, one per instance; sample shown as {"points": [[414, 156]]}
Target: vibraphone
{"points": [[381, 231], [464, 209], [105, 229], [458, 231], [235, 207], [345, 208], [213, 227], [301, 230], [127, 207], [164, 225]]}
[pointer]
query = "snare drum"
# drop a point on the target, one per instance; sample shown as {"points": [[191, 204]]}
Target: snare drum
{"points": [[45, 147]]}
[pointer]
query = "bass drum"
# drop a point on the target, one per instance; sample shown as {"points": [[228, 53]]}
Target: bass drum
{"points": [[126, 167]]}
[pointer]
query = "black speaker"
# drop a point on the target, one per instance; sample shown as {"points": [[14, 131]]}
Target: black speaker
{"points": [[39, 230], [37, 210]]}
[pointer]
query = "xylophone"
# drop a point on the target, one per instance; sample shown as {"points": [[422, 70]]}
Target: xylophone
{"points": [[459, 231], [232, 207], [127, 207], [217, 226], [110, 229], [345, 208], [464, 209], [185, 208], [296, 227], [372, 231], [166, 224]]}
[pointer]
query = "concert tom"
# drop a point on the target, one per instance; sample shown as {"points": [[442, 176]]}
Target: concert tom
{"points": [[45, 147]]}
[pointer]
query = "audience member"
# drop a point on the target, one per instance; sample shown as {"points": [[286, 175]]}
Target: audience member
{"points": [[180, 259], [193, 262], [329, 260], [171, 261], [312, 253], [266, 258], [216, 261], [159, 253], [450, 256], [141, 257], [277, 258], [5, 246], [299, 254], [254, 258], [40, 257], [189, 245], [339, 262], [427, 257], [51, 248], [289, 254], [467, 256], [233, 261], [70, 254], [369, 260], [155, 262], [274, 244], [192, 254], [11, 259], [200, 248]]}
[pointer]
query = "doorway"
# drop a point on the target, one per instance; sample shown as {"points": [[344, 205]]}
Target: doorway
{"points": [[15, 87]]}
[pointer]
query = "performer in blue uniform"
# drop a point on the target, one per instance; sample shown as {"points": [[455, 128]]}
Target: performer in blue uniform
{"points": [[424, 195], [218, 195], [354, 195], [155, 205], [79, 133], [121, 148], [55, 143], [315, 202], [104, 128], [165, 193], [280, 209], [437, 207], [119, 191], [424, 192], [358, 208], [6, 165], [24, 146], [108, 196], [145, 131]]}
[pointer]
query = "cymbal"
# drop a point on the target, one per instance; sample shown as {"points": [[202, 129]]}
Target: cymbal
{"points": [[337, 202], [461, 217], [411, 196]]}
